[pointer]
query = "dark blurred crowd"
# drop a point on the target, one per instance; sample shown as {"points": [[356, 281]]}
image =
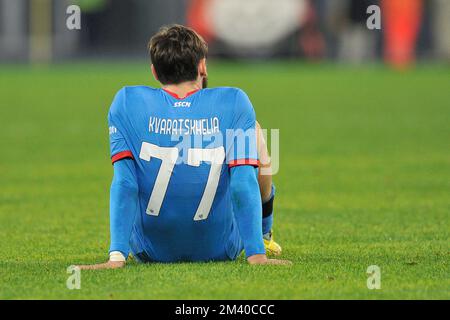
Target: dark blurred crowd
{"points": [[410, 29], [337, 30], [311, 29]]}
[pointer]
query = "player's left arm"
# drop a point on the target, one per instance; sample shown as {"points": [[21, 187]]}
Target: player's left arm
{"points": [[124, 189], [123, 210]]}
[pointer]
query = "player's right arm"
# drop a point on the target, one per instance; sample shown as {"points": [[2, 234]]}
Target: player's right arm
{"points": [[244, 187]]}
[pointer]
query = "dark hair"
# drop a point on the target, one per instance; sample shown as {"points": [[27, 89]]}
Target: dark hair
{"points": [[175, 52]]}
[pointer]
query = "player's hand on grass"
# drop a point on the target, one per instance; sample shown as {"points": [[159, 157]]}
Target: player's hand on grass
{"points": [[262, 259], [116, 260], [106, 265]]}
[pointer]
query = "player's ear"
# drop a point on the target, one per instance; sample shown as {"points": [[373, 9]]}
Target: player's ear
{"points": [[154, 72], [202, 70]]}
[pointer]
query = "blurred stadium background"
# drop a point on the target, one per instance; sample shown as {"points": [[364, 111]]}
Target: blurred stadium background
{"points": [[35, 30]]}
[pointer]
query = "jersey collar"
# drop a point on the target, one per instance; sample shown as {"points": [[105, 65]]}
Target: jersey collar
{"points": [[173, 94]]}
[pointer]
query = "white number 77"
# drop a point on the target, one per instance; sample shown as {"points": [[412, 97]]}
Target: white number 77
{"points": [[169, 157]]}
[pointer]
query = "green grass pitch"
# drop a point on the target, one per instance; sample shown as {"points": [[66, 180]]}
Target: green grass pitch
{"points": [[364, 180]]}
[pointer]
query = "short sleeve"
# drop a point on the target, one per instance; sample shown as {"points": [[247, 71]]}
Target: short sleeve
{"points": [[118, 145], [241, 138]]}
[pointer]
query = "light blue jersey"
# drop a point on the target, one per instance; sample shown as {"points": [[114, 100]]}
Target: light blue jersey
{"points": [[183, 149]]}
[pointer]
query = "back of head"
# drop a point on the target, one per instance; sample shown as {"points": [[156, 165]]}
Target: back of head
{"points": [[176, 52]]}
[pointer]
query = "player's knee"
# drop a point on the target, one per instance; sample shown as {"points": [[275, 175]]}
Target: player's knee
{"points": [[257, 125]]}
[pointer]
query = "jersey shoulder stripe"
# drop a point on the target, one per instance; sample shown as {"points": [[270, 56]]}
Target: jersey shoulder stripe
{"points": [[122, 155]]}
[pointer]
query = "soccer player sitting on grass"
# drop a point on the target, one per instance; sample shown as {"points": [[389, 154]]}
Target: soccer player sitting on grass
{"points": [[186, 184]]}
